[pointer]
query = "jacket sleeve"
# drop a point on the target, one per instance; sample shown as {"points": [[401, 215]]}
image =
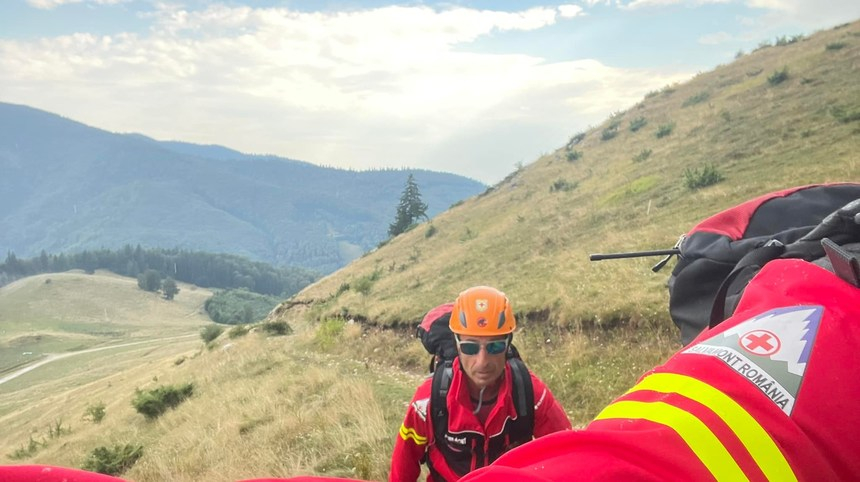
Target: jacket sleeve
{"points": [[549, 415], [411, 443]]}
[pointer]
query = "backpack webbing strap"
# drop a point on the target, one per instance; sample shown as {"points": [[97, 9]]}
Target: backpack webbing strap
{"points": [[750, 264], [442, 376], [522, 429]]}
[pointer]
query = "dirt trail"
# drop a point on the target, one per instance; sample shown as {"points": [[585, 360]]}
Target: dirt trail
{"points": [[59, 356]]}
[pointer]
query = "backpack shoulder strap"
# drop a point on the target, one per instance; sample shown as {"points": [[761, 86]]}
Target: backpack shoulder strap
{"points": [[442, 376], [728, 294], [522, 430]]}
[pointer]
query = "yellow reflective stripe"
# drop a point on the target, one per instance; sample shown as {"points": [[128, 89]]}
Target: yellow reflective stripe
{"points": [[752, 435], [410, 433], [696, 434]]}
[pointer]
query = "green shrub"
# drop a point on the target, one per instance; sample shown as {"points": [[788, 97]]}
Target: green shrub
{"points": [[210, 332], [365, 283], [95, 412], [56, 429], [783, 41], [637, 124], [112, 461], [28, 450], [642, 156], [696, 99], [277, 328], [707, 176], [237, 332], [573, 156], [431, 230], [778, 76], [575, 140], [562, 185], [836, 46], [665, 129], [609, 133], [153, 403], [329, 332], [845, 114]]}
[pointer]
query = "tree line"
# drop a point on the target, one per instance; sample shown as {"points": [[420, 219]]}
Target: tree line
{"points": [[207, 270]]}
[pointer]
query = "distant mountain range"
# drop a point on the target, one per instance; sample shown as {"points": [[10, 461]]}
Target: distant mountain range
{"points": [[68, 187]]}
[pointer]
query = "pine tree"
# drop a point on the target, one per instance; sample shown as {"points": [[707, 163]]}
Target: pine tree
{"points": [[409, 209], [169, 288]]}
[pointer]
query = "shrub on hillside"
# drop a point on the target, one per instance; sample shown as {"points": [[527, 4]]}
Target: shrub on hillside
{"points": [[637, 123], [696, 99], [562, 185], [844, 114], [153, 403], [329, 333], [609, 133], [28, 450], [237, 331], [778, 76], [642, 156], [665, 129], [210, 332], [695, 178], [95, 412], [576, 139], [362, 285], [573, 155], [835, 46], [114, 460], [277, 328]]}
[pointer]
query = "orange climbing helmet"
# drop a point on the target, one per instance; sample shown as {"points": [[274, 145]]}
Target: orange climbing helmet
{"points": [[482, 311]]}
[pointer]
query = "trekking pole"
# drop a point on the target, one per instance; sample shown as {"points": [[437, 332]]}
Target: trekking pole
{"points": [[634, 254], [668, 253]]}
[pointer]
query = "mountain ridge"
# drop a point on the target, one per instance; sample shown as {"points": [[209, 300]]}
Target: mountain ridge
{"points": [[72, 187]]}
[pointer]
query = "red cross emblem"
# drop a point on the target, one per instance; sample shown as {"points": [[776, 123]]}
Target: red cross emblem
{"points": [[760, 342], [481, 305]]}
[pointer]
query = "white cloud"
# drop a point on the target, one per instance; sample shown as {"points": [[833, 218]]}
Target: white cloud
{"points": [[812, 14], [51, 4], [392, 86], [570, 11]]}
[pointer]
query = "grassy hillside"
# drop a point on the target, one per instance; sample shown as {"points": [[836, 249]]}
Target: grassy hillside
{"points": [[616, 189], [329, 399], [72, 311]]}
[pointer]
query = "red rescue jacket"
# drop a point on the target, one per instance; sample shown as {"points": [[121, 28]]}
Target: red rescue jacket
{"points": [[768, 394], [479, 444]]}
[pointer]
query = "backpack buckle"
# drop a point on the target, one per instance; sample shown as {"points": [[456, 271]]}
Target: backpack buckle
{"points": [[845, 264]]}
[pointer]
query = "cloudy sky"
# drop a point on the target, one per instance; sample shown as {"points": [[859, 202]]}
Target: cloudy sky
{"points": [[473, 87]]}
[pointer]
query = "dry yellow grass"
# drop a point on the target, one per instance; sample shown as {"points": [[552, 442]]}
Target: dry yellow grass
{"points": [[261, 407]]}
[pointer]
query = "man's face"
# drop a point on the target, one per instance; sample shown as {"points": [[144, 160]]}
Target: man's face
{"points": [[482, 368]]}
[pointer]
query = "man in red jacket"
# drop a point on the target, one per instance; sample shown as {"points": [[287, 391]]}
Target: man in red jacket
{"points": [[483, 418]]}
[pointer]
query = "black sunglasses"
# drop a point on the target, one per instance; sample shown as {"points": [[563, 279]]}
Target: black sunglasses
{"points": [[473, 347]]}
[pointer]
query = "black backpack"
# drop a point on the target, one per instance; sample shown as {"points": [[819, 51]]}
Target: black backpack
{"points": [[438, 340], [721, 254]]}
